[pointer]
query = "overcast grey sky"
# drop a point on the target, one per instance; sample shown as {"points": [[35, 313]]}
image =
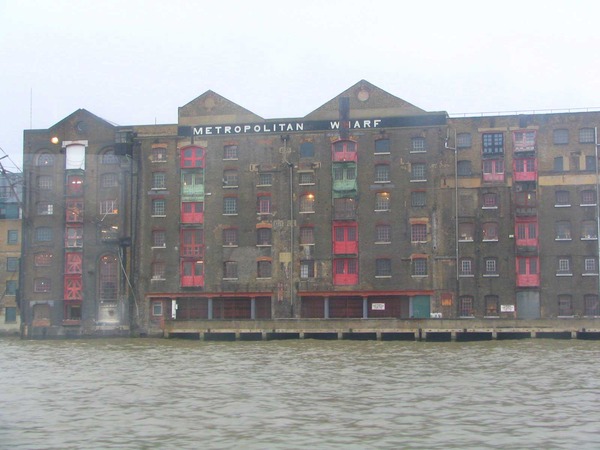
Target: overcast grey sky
{"points": [[136, 62]]}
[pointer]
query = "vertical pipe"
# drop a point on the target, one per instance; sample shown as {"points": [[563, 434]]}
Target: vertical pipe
{"points": [[597, 204]]}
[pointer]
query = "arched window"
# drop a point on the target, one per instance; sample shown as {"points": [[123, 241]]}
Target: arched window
{"points": [[108, 270], [109, 157], [44, 159]]}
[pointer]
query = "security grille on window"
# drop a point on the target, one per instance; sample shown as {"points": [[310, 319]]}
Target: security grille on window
{"points": [[158, 207], [382, 173], [383, 233], [586, 136], [109, 180], [230, 178], [464, 168], [42, 234], [418, 198], [465, 306], [561, 136], [230, 152], [230, 205], [419, 266], [306, 178], [562, 198], [263, 236], [263, 269], [265, 179], [418, 232], [230, 237], [159, 238], [418, 145], [463, 140], [158, 270], [159, 154], [383, 267], [418, 172], [382, 201], [45, 182], [307, 235], [490, 200], [307, 203], [159, 180]]}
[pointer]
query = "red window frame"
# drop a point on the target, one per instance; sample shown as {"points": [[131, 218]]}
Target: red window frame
{"points": [[345, 271], [192, 242], [528, 272], [192, 272], [192, 212], [345, 238], [344, 150], [73, 287], [526, 233], [493, 169], [74, 210], [73, 263], [192, 157], [75, 185], [525, 169]]}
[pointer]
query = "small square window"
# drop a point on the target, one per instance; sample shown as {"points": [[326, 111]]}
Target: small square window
{"points": [[561, 136], [382, 146], [418, 199], [418, 145], [159, 238], [230, 152], [418, 232], [230, 237], [159, 154], [383, 234], [11, 287], [159, 207], [12, 264], [157, 309], [306, 177], [463, 140], [265, 179], [586, 135], [383, 267], [230, 205]]}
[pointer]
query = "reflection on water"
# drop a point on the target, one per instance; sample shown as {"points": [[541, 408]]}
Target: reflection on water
{"points": [[133, 394]]}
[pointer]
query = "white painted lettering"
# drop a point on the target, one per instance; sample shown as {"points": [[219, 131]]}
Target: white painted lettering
{"points": [[300, 127], [227, 130], [208, 130], [376, 123], [218, 129], [334, 125], [246, 128], [237, 129], [197, 131], [257, 128], [367, 124]]}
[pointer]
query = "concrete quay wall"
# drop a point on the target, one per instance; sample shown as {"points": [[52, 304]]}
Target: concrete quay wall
{"points": [[384, 329]]}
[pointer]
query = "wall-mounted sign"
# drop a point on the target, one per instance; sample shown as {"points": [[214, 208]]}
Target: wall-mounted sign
{"points": [[272, 126], [507, 308], [378, 306]]}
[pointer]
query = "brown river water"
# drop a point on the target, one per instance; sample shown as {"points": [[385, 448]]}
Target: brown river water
{"points": [[304, 394]]}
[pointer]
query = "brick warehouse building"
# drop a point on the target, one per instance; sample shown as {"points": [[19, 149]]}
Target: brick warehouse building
{"points": [[368, 207]]}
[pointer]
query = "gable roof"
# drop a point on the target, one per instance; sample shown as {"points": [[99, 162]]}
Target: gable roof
{"points": [[210, 108], [83, 114], [366, 100]]}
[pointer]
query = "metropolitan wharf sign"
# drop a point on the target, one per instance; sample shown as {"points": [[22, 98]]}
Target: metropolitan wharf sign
{"points": [[285, 126]]}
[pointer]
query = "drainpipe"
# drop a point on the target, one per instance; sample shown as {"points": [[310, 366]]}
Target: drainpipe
{"points": [[597, 202], [456, 250], [290, 165]]}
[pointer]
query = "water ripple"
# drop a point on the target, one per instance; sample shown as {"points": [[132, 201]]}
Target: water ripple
{"points": [[168, 394]]}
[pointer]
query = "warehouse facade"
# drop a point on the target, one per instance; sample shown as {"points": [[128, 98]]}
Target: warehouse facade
{"points": [[366, 208]]}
